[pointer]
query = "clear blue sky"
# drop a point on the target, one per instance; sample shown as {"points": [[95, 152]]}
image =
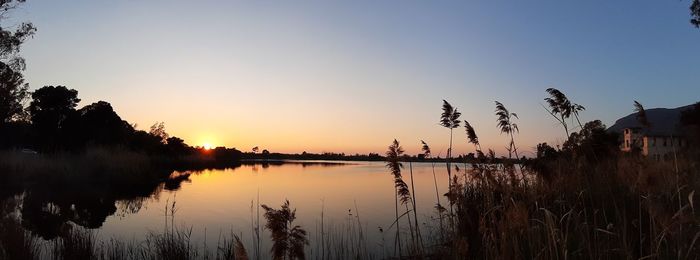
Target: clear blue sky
{"points": [[351, 76]]}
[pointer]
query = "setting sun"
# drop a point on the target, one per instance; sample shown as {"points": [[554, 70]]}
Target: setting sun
{"points": [[207, 146]]}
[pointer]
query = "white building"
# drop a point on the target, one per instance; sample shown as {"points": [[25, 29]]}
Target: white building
{"points": [[656, 145]]}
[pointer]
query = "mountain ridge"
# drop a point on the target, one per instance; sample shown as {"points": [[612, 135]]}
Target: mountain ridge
{"points": [[664, 121]]}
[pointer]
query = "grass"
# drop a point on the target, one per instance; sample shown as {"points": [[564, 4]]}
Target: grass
{"points": [[624, 208]]}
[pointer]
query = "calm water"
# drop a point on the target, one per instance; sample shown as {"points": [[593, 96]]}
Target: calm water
{"points": [[219, 201]]}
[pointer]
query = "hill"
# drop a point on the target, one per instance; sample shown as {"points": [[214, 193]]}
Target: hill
{"points": [[664, 121]]}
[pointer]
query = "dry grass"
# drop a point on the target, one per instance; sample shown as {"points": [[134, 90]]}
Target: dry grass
{"points": [[619, 208]]}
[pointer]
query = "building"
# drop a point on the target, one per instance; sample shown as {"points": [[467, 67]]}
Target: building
{"points": [[656, 145]]}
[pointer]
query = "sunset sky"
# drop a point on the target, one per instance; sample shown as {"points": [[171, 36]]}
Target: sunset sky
{"points": [[293, 76]]}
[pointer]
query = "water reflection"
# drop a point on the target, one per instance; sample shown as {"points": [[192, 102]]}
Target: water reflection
{"points": [[211, 201], [46, 208]]}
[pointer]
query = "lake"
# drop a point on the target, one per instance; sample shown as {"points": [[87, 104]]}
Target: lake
{"points": [[214, 203]]}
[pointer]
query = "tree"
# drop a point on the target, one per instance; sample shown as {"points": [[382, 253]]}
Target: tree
{"points": [[695, 13], [99, 124], [288, 240], [158, 130], [49, 108], [143, 141], [593, 141], [544, 151], [13, 93], [177, 146], [12, 39]]}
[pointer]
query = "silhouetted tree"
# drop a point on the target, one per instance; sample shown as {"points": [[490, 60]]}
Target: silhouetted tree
{"points": [[13, 93], [12, 39], [13, 116], [223, 154], [288, 240], [546, 152], [143, 141], [97, 123], [49, 108], [695, 13], [177, 146], [593, 141], [542, 163], [158, 130]]}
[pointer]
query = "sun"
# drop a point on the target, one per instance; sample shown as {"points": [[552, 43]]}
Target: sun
{"points": [[207, 146]]}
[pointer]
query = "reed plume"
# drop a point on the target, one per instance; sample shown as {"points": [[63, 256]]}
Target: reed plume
{"points": [[393, 155], [288, 240], [471, 135], [240, 252], [449, 119], [403, 195], [507, 126], [561, 108]]}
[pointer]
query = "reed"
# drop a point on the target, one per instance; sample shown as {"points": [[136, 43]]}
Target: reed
{"points": [[288, 239], [449, 118], [438, 206], [561, 108]]}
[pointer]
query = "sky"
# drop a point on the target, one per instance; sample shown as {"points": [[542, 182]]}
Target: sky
{"points": [[351, 76]]}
